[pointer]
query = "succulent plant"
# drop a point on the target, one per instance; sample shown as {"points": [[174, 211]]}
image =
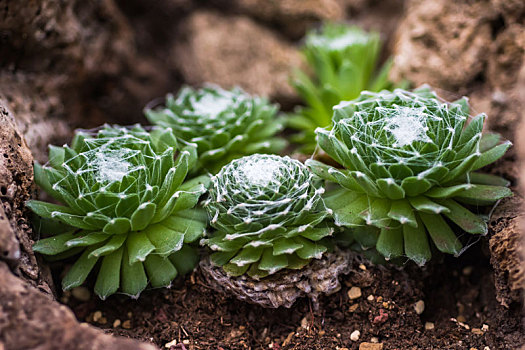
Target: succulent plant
{"points": [[408, 168], [268, 214], [224, 125], [125, 203], [343, 60]]}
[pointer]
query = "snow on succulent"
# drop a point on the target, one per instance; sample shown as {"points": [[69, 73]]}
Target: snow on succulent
{"points": [[124, 203], [224, 124], [409, 165], [343, 60], [268, 214]]}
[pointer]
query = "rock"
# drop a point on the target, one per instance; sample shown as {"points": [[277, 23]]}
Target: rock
{"points": [[354, 293], [81, 294], [371, 346], [429, 326], [294, 16], [464, 48], [508, 252], [210, 53], [321, 276], [419, 306], [354, 336], [30, 320]]}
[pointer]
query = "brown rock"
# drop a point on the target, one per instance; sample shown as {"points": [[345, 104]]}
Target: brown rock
{"points": [[508, 252], [294, 16], [30, 320], [235, 50], [371, 346], [465, 48]]}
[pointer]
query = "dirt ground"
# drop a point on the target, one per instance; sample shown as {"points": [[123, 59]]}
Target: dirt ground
{"points": [[78, 64]]}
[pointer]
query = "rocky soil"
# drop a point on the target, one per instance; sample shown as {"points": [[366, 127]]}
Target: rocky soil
{"points": [[78, 64]]}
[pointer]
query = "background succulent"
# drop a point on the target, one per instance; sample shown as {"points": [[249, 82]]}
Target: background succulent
{"points": [[269, 215], [224, 124], [125, 203], [408, 163], [343, 60]]}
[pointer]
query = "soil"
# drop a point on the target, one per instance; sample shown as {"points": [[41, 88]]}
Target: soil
{"points": [[78, 64], [458, 295]]}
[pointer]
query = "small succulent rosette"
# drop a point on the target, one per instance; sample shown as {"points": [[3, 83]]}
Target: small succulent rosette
{"points": [[125, 205], [268, 214], [343, 60], [408, 172], [224, 125]]}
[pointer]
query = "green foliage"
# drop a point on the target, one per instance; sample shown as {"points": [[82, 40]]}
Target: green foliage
{"points": [[224, 125], [408, 163], [343, 60], [269, 215], [125, 205]]}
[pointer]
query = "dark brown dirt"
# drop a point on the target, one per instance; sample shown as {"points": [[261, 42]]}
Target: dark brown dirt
{"points": [[459, 296]]}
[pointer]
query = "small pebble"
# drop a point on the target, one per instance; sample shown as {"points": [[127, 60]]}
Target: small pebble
{"points": [[117, 323], [185, 342], [419, 306], [97, 315], [370, 346], [486, 348], [353, 307], [171, 343], [354, 293], [429, 326], [81, 293], [362, 267], [477, 331], [126, 324], [467, 270], [355, 335], [485, 327], [374, 340], [304, 323], [370, 298], [321, 333]]}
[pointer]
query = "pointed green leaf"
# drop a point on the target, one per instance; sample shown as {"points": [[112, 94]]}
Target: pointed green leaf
{"points": [[441, 233], [417, 248], [117, 226], [491, 155], [483, 194], [54, 245], [403, 212], [78, 273], [285, 246], [113, 244], [108, 279], [141, 218], [272, 263], [464, 218], [310, 250], [139, 247], [390, 242], [425, 205], [161, 271], [133, 277], [165, 240], [247, 256]]}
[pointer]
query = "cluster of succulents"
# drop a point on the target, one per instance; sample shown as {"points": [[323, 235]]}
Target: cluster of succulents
{"points": [[343, 60], [408, 161], [126, 203], [136, 202], [224, 125]]}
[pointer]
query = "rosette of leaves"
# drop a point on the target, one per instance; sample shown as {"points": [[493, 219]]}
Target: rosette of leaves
{"points": [[268, 214], [408, 168], [125, 205], [343, 60], [224, 125]]}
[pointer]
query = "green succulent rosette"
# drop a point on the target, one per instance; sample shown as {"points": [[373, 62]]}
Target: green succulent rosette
{"points": [[408, 167], [224, 125], [125, 205], [268, 214], [343, 60]]}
